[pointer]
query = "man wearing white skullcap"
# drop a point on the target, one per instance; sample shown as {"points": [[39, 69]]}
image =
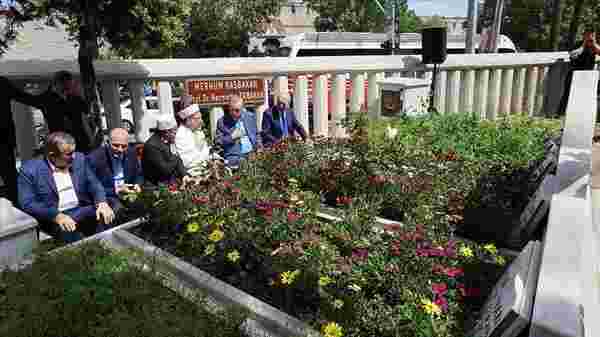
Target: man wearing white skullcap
{"points": [[190, 141], [160, 162]]}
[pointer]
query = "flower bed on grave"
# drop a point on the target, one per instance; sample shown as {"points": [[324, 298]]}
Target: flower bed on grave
{"points": [[91, 290], [475, 176], [346, 277]]}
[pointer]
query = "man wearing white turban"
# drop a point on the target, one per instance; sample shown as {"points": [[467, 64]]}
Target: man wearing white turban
{"points": [[190, 141]]}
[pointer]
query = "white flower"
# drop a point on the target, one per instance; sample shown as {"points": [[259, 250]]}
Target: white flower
{"points": [[390, 132], [354, 287]]}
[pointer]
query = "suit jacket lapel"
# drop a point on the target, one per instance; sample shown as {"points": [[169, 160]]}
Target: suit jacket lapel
{"points": [[75, 171], [49, 175]]}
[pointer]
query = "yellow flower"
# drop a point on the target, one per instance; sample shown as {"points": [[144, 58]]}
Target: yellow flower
{"points": [[216, 236], [288, 277], [354, 287], [193, 227], [431, 308], [491, 248], [233, 256], [338, 304], [332, 329], [500, 260], [209, 250], [324, 281], [466, 251]]}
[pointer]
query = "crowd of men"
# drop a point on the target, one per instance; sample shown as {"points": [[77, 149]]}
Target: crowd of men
{"points": [[75, 190]]}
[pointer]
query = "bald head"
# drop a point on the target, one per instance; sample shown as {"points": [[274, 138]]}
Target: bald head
{"points": [[119, 141], [119, 134]]}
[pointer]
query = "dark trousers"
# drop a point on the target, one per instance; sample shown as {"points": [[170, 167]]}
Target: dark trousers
{"points": [[84, 216], [562, 108], [8, 171]]}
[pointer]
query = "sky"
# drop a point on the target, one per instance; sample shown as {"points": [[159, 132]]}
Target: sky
{"points": [[440, 7]]}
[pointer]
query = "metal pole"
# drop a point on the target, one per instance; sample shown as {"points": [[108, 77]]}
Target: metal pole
{"points": [[432, 109], [472, 28], [497, 26], [393, 26]]}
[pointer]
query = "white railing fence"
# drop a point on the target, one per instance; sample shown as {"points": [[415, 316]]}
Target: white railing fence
{"points": [[488, 85]]}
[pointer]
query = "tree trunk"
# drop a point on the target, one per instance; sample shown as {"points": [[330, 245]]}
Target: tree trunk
{"points": [[574, 26], [555, 27], [88, 52]]}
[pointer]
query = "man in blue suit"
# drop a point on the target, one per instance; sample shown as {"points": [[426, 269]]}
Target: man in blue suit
{"points": [[279, 123], [117, 167], [62, 193], [236, 133]]}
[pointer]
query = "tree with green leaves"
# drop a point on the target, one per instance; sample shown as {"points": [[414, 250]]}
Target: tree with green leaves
{"points": [[222, 28], [360, 15], [436, 21], [134, 28]]}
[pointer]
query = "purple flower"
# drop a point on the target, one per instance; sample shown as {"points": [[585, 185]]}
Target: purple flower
{"points": [[360, 254]]}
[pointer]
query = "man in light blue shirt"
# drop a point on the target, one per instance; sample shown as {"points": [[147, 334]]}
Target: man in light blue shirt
{"points": [[237, 133]]}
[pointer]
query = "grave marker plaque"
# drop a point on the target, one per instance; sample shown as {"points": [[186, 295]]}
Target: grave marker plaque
{"points": [[508, 308]]}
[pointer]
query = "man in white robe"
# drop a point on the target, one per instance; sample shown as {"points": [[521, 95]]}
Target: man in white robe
{"points": [[190, 141]]}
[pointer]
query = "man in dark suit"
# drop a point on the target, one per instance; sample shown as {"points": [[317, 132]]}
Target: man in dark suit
{"points": [[279, 123], [160, 162], [236, 133], [117, 167], [62, 192]]}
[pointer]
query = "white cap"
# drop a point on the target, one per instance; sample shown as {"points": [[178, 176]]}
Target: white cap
{"points": [[165, 122], [190, 110]]}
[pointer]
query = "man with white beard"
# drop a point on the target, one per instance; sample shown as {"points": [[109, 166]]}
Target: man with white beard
{"points": [[190, 141]]}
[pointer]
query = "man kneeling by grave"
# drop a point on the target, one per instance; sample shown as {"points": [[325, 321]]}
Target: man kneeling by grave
{"points": [[118, 169], [62, 193]]}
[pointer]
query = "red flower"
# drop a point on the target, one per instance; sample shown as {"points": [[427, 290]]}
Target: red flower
{"points": [[236, 178], [236, 191], [453, 272], [343, 200], [392, 227], [419, 228], [425, 252], [173, 188], [227, 184], [439, 289], [468, 292], [279, 204], [200, 200], [438, 269], [376, 180], [396, 248], [442, 303], [292, 216]]}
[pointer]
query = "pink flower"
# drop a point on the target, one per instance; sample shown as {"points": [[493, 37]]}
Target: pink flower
{"points": [[236, 191], [200, 200], [292, 216], [450, 250], [360, 254], [453, 272], [425, 252], [439, 289], [227, 184], [442, 303]]}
